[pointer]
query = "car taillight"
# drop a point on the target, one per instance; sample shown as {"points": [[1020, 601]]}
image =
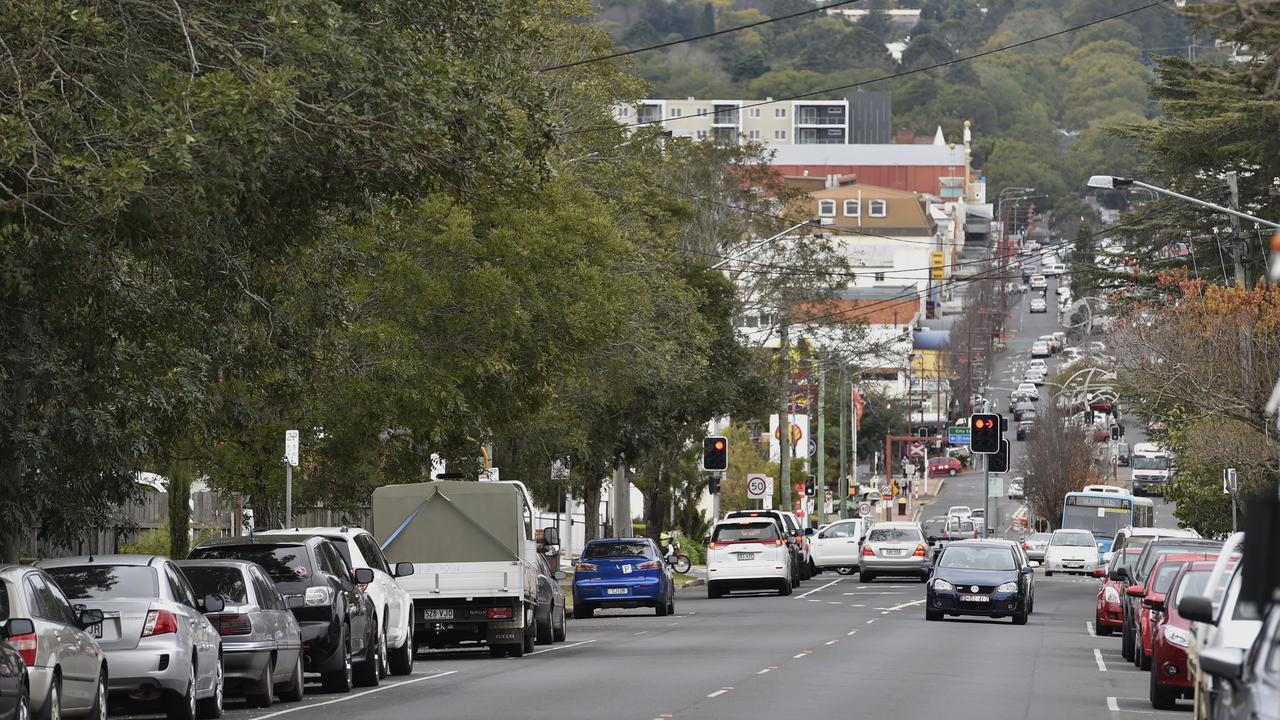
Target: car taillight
{"points": [[26, 646], [651, 565], [238, 624], [500, 613], [1026, 546], [867, 551], [919, 551], [585, 567], [776, 543], [718, 545], [159, 622]]}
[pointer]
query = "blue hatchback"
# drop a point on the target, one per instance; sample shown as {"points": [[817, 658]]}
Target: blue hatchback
{"points": [[624, 573], [977, 577]]}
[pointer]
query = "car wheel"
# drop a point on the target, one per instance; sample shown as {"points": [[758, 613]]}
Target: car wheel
{"points": [[714, 591], [99, 709], [867, 577], [366, 674], [1048, 573], [384, 666], [951, 472], [932, 615], [1020, 618], [401, 659], [53, 700], [560, 631], [181, 706], [844, 570], [1101, 630], [924, 577], [22, 710], [671, 605], [340, 680], [293, 691], [542, 630], [262, 695], [1162, 698], [784, 588], [1126, 641], [211, 707], [1144, 660], [584, 611], [660, 608]]}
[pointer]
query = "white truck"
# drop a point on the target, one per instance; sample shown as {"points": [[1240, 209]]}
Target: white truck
{"points": [[475, 559], [1152, 468]]}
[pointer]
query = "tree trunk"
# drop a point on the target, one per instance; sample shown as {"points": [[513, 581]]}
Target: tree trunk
{"points": [[180, 472], [13, 461], [591, 503]]}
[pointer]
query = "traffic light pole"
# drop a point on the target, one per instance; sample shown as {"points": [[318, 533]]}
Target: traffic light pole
{"points": [[820, 492], [986, 495]]}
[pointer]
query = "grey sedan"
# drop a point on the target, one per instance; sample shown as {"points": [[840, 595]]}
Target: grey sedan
{"points": [[159, 645], [895, 548], [261, 640], [1035, 545]]}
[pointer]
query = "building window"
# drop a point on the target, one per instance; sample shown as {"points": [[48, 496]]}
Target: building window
{"points": [[675, 112], [702, 112], [702, 134], [827, 208], [754, 112], [779, 112], [624, 112], [851, 208], [879, 277], [753, 134], [781, 135], [877, 208]]}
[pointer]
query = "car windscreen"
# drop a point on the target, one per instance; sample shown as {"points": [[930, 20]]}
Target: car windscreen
{"points": [[1072, 539], [892, 534], [284, 564], [225, 581], [1152, 553], [106, 582], [616, 548], [1165, 575], [746, 532], [977, 558]]}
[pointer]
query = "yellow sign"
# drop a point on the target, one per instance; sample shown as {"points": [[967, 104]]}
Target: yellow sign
{"points": [[937, 265]]}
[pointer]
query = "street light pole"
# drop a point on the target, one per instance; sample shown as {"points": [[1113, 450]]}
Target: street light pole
{"points": [[1109, 182]]}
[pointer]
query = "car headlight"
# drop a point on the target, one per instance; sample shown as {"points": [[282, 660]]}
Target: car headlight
{"points": [[1177, 636], [939, 584], [1008, 587], [1110, 594]]}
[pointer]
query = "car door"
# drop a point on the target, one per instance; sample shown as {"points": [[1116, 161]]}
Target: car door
{"points": [[81, 655], [53, 626], [280, 621], [200, 632], [390, 590], [338, 574]]}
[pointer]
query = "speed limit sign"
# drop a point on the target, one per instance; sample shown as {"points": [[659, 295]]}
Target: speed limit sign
{"points": [[759, 486]]}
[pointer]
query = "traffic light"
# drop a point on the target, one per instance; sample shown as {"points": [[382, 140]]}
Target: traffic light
{"points": [[999, 462], [715, 453], [811, 486], [985, 432], [713, 484], [1115, 432]]}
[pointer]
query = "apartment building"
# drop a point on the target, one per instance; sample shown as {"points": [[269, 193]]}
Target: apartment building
{"points": [[782, 122]]}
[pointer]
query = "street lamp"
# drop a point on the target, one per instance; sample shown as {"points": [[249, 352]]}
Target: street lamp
{"points": [[1111, 182]]}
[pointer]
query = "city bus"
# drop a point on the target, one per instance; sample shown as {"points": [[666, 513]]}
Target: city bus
{"points": [[1105, 512]]}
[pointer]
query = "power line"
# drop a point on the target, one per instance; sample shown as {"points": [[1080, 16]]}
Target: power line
{"points": [[695, 38], [894, 76]]}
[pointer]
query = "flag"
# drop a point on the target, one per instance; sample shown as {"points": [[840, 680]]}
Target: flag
{"points": [[857, 407]]}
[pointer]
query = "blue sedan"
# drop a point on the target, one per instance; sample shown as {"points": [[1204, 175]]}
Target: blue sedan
{"points": [[977, 577], [622, 573]]}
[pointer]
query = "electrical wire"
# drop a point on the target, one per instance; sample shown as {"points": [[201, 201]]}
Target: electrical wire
{"points": [[894, 76]]}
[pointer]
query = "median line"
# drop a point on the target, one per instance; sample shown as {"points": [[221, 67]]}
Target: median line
{"points": [[820, 587], [353, 696], [1097, 655], [720, 692]]}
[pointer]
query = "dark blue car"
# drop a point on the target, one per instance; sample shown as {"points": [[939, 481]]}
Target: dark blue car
{"points": [[977, 577], [624, 573]]}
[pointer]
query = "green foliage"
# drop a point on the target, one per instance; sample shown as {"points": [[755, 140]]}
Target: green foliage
{"points": [[159, 541]]}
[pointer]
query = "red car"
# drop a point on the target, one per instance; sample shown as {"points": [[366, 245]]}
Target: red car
{"points": [[1171, 636], [944, 466], [1109, 615], [1152, 594]]}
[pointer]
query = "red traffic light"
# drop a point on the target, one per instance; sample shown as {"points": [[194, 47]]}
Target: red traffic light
{"points": [[986, 433]]}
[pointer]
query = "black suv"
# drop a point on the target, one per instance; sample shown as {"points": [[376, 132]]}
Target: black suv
{"points": [[339, 627], [1135, 573]]}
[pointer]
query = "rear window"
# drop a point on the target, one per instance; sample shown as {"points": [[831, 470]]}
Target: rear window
{"points": [[962, 527], [747, 532], [106, 582], [1039, 537], [225, 581], [977, 558], [900, 534], [1072, 539], [617, 548], [283, 563]]}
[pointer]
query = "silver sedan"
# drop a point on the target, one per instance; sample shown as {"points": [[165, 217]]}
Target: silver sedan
{"points": [[894, 548]]}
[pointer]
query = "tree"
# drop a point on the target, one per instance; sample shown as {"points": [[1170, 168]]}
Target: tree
{"points": [[878, 23], [1059, 460]]}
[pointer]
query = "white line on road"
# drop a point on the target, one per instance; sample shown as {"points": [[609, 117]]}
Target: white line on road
{"points": [[1112, 705], [1088, 626], [855, 605], [768, 669], [903, 605], [719, 692], [871, 621], [353, 696], [797, 656], [821, 587], [852, 632], [642, 632], [1097, 655], [561, 647], [831, 642], [833, 602]]}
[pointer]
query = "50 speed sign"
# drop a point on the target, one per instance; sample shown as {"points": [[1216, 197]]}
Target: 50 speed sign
{"points": [[759, 486]]}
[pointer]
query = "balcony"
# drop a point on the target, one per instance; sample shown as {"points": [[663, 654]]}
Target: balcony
{"points": [[820, 115], [725, 115], [649, 114], [725, 136], [820, 136]]}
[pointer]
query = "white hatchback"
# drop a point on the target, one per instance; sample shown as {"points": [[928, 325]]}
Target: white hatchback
{"points": [[1071, 551], [1040, 349], [747, 554]]}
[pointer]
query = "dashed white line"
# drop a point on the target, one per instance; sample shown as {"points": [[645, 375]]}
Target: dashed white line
{"points": [[1088, 626], [821, 587], [719, 692], [768, 669], [871, 621], [831, 642], [856, 605], [1097, 655], [1113, 705], [833, 602], [561, 647], [797, 656], [353, 696], [852, 632], [907, 604]]}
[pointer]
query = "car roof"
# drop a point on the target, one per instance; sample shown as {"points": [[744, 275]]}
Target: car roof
{"points": [[135, 560], [1150, 532], [343, 530], [979, 542], [261, 539], [894, 524], [619, 539], [216, 562]]}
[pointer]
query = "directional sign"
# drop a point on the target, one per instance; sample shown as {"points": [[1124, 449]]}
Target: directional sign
{"points": [[291, 447], [958, 435], [759, 486]]}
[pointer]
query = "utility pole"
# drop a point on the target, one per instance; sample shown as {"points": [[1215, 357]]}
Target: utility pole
{"points": [[986, 493], [1237, 247], [621, 502], [784, 417], [820, 489], [842, 482]]}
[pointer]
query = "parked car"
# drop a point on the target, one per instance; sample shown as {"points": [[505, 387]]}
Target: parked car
{"points": [[622, 572], [1038, 306], [1071, 551], [261, 639], [980, 577], [1152, 595], [550, 622], [1040, 349], [1253, 676], [339, 627], [748, 553], [1014, 490], [1052, 342], [15, 691], [1060, 338], [391, 602], [839, 546], [1171, 638], [65, 669], [1108, 616], [942, 465], [149, 610], [1137, 572], [1035, 545], [894, 548], [1222, 626]]}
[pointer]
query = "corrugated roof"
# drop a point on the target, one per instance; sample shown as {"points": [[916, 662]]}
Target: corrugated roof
{"points": [[886, 154]]}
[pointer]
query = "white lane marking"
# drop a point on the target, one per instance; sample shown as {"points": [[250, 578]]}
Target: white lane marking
{"points": [[642, 632], [768, 669], [797, 656], [1097, 655], [353, 696], [1088, 626], [719, 692], [852, 632], [814, 600], [833, 602], [854, 605], [831, 642], [903, 605], [821, 587], [1113, 705], [871, 593], [561, 647], [871, 621]]}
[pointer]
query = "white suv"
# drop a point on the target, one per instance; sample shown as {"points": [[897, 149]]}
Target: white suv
{"points": [[747, 553], [392, 603]]}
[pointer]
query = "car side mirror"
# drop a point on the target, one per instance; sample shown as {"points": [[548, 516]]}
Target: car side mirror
{"points": [[1027, 569], [295, 602], [17, 626], [1119, 575], [404, 569], [550, 536], [1136, 591], [1153, 604], [88, 618], [362, 576], [1198, 608], [1223, 662], [1100, 572], [559, 575], [706, 540], [212, 603], [808, 532]]}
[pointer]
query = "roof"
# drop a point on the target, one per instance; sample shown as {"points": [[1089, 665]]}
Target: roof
{"points": [[870, 154], [1160, 532], [138, 560], [258, 539], [854, 306], [215, 562], [332, 530]]}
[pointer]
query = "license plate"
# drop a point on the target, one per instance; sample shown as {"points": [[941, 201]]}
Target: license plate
{"points": [[1073, 564], [616, 591], [95, 631], [437, 614], [893, 553], [744, 556], [974, 598]]}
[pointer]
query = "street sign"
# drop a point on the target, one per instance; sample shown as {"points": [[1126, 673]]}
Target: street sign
{"points": [[291, 447], [917, 450], [958, 435], [864, 509], [813, 447], [937, 265], [759, 486], [885, 490], [995, 486], [1228, 481]]}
